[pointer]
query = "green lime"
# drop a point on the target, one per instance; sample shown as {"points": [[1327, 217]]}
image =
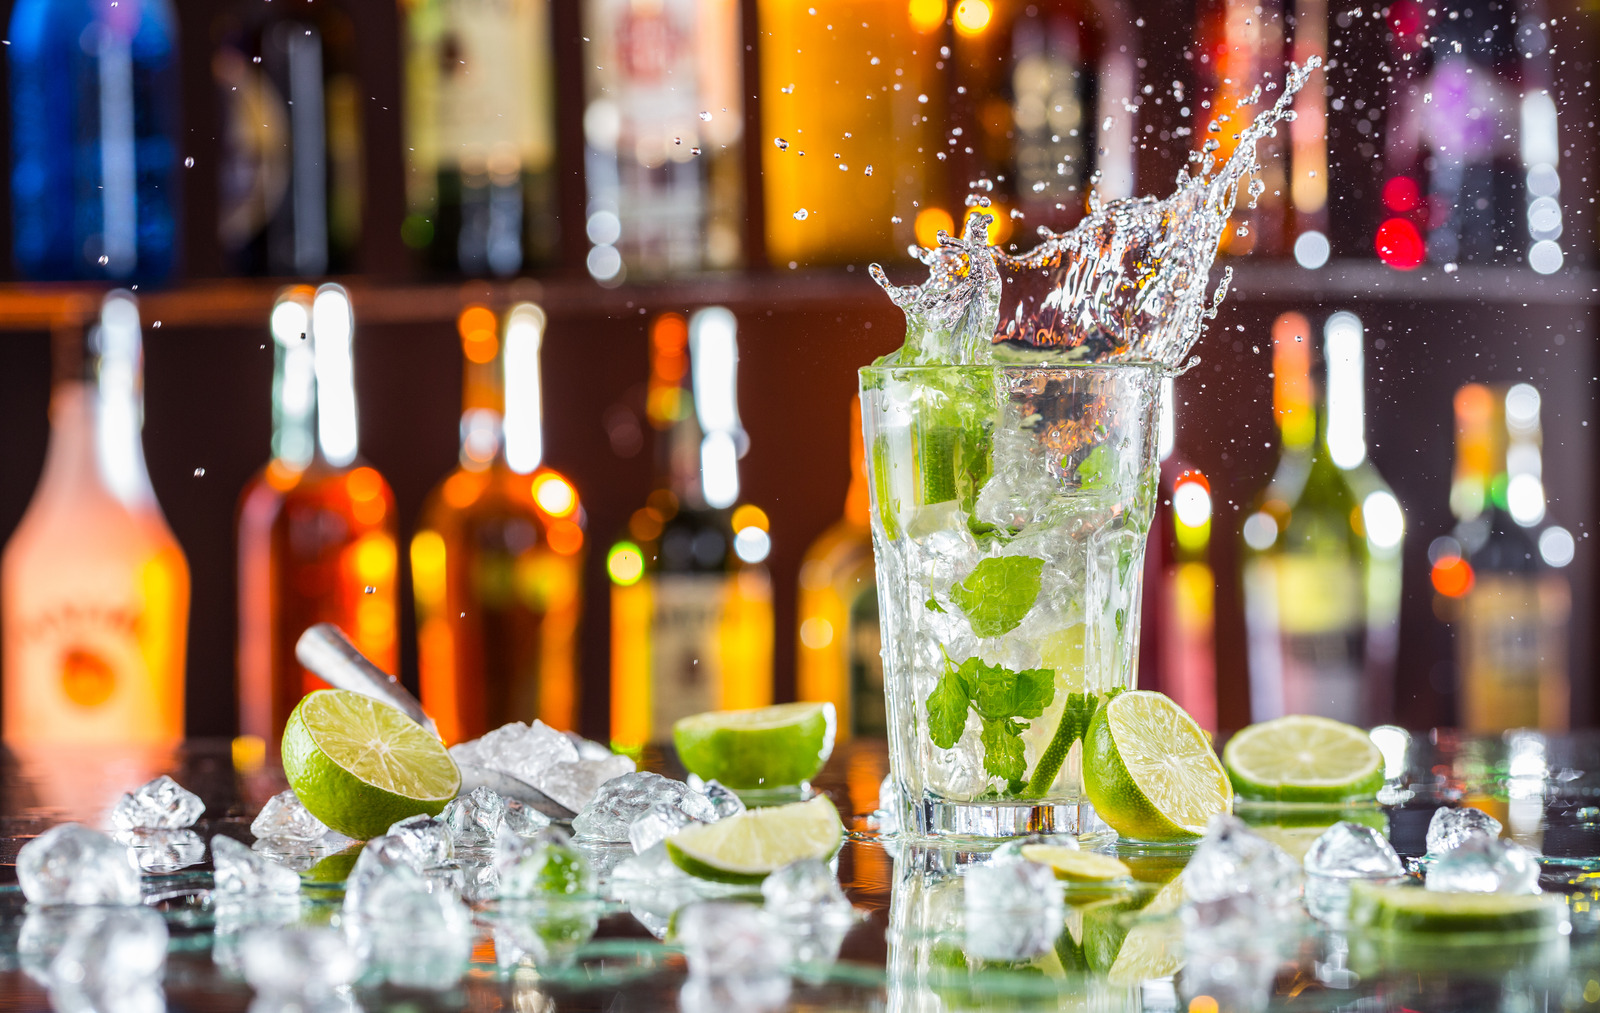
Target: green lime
{"points": [[1150, 771], [361, 766], [1410, 910], [769, 747], [746, 847], [1075, 865], [1300, 758]]}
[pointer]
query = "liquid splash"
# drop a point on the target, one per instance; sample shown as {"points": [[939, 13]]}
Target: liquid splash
{"points": [[1127, 284]]}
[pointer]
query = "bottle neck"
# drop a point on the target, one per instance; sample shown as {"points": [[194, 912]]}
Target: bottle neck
{"points": [[683, 462], [857, 509], [294, 405], [97, 402]]}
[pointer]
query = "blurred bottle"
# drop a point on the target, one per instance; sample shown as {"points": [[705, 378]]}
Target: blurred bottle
{"points": [[859, 159], [663, 123], [95, 588], [290, 177], [1498, 574], [1322, 545], [94, 139], [839, 653], [1177, 653], [317, 526], [497, 560], [1239, 47], [691, 598], [480, 134]]}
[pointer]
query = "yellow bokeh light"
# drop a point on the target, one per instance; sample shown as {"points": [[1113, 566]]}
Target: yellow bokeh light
{"points": [[930, 222], [749, 516], [554, 495], [373, 558], [926, 15], [973, 16], [625, 564], [428, 568]]}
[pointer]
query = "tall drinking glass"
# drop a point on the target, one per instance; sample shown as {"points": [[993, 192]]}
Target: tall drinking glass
{"points": [[1010, 509]]}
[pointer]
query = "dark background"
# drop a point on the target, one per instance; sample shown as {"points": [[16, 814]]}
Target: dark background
{"points": [[802, 335]]}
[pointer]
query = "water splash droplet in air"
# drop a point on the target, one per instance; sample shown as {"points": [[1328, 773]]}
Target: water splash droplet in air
{"points": [[801, 215]]}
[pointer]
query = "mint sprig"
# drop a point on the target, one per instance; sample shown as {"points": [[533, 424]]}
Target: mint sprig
{"points": [[1005, 701], [998, 593]]}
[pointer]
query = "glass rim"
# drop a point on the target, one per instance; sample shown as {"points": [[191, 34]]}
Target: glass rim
{"points": [[1140, 366]]}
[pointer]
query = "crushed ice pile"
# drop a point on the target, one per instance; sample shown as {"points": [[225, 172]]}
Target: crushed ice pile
{"points": [[567, 768]]}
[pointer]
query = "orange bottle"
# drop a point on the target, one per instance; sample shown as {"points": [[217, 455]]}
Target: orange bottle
{"points": [[318, 531], [96, 589], [497, 562]]}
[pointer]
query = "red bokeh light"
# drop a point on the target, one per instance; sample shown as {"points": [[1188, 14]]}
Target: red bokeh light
{"points": [[1401, 194], [1452, 576], [1399, 244]]}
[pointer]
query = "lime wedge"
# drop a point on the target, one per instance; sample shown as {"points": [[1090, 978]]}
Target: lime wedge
{"points": [[361, 766], [1413, 910], [1150, 771], [746, 847], [1075, 865], [769, 747], [1301, 758]]}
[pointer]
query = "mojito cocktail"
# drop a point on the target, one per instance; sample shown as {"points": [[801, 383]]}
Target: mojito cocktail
{"points": [[1010, 508]]}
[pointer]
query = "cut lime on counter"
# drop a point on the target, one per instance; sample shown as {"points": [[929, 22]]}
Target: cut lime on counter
{"points": [[1301, 758], [769, 747], [1150, 771], [361, 766], [1412, 910], [1076, 866], [746, 847]]}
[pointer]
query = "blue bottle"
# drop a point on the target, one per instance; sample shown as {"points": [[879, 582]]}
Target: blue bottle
{"points": [[94, 129]]}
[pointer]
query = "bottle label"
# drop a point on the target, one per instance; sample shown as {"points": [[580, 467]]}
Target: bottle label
{"points": [[685, 651], [1513, 653], [1306, 619], [76, 672]]}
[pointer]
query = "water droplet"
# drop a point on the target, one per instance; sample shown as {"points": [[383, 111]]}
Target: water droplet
{"points": [[104, 260], [156, 326], [895, 219], [188, 163], [705, 116], [787, 89], [694, 150], [801, 215], [922, 99], [677, 140], [1241, 231], [199, 472], [371, 590], [867, 171], [780, 144]]}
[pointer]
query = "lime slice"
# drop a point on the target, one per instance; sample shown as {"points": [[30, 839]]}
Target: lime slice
{"points": [[1075, 865], [769, 747], [361, 766], [1150, 771], [1412, 910], [746, 847], [1301, 758]]}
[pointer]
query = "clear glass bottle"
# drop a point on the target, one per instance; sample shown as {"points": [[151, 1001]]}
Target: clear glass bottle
{"points": [[663, 129], [691, 597], [318, 528], [94, 139], [497, 560], [1322, 546], [480, 134], [290, 175], [839, 643], [95, 587]]}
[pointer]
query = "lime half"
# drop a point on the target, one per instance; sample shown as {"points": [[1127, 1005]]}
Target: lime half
{"points": [[1074, 865], [1301, 758], [361, 766], [746, 847], [769, 747], [1150, 771]]}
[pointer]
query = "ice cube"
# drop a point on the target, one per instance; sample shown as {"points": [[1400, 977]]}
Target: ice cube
{"points": [[655, 825], [1231, 859], [1014, 910], [887, 816], [417, 937], [736, 955], [474, 819], [804, 889], [71, 864], [524, 820], [162, 850], [523, 751], [112, 960], [1231, 948], [242, 872], [283, 818], [429, 842], [548, 933], [237, 915], [1351, 851], [723, 799], [1484, 864], [575, 784], [159, 804], [589, 749], [623, 799], [298, 962], [1450, 828], [301, 855], [43, 932], [384, 856], [543, 866]]}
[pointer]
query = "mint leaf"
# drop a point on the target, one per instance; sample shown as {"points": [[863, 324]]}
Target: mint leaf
{"points": [[998, 593], [1098, 469], [932, 605], [947, 706], [1001, 693], [1002, 749]]}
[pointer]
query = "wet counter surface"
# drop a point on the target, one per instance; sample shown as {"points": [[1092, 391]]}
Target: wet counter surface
{"points": [[911, 948]]}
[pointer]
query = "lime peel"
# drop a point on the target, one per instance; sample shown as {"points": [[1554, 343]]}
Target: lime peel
{"points": [[766, 747], [747, 847]]}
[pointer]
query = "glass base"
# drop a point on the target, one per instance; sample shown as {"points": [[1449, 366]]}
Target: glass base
{"points": [[939, 818]]}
